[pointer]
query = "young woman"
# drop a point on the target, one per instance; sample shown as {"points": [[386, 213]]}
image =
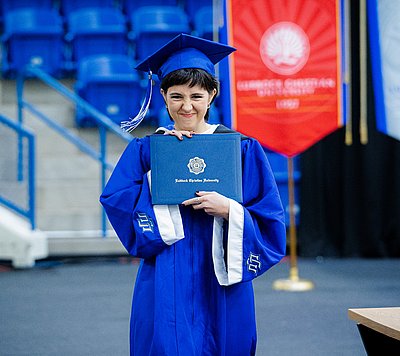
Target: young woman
{"points": [[193, 292]]}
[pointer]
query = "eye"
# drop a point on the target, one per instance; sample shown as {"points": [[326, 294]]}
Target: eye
{"points": [[197, 96]]}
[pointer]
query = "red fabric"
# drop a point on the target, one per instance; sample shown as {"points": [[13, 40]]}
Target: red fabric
{"points": [[286, 82]]}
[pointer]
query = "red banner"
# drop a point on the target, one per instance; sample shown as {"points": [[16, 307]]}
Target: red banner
{"points": [[286, 75]]}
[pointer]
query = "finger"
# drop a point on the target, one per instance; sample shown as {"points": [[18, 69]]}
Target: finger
{"points": [[177, 134], [198, 206], [187, 133], [202, 193], [193, 201]]}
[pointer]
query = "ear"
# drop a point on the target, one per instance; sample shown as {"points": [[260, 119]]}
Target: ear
{"points": [[212, 95], [164, 94]]}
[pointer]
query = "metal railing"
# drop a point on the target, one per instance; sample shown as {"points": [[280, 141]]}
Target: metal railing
{"points": [[22, 181], [104, 123]]}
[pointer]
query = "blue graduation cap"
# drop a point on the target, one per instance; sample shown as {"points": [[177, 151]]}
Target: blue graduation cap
{"points": [[183, 51]]}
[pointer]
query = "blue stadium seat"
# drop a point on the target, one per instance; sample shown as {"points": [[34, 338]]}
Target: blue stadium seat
{"points": [[32, 36], [68, 6], [129, 6], [1, 19], [279, 167], [203, 22], [94, 31], [192, 6], [10, 5], [153, 26], [110, 84]]}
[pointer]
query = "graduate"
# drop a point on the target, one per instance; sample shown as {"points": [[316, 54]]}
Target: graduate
{"points": [[193, 293]]}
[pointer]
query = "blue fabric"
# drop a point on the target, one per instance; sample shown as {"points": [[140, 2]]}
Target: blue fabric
{"points": [[179, 308], [186, 58], [185, 51]]}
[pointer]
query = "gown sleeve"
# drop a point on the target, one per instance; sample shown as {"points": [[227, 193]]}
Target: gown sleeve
{"points": [[254, 238], [144, 230]]}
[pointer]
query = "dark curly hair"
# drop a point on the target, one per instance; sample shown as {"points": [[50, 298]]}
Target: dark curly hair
{"points": [[192, 77]]}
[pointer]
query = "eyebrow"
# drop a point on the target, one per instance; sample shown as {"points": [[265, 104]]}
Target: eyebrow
{"points": [[178, 93]]}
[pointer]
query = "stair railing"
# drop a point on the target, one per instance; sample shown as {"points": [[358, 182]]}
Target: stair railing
{"points": [[23, 133], [104, 123]]}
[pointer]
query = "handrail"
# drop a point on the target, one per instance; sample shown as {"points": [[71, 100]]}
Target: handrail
{"points": [[99, 117], [23, 132], [105, 123]]}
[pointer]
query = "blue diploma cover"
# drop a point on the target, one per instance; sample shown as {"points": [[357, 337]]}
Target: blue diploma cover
{"points": [[201, 163]]}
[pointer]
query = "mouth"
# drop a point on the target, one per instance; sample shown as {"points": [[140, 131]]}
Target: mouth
{"points": [[187, 116]]}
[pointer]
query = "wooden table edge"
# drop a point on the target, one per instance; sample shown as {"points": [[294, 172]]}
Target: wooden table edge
{"points": [[372, 324]]}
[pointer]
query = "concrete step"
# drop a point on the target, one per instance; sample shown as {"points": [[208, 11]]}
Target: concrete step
{"points": [[67, 168], [71, 220], [34, 90], [83, 243], [72, 193], [62, 112]]}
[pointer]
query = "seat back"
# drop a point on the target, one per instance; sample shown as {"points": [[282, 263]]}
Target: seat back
{"points": [[192, 7], [10, 5], [103, 67], [32, 20], [69, 6], [111, 84], [95, 19], [33, 36], [203, 22], [130, 6], [93, 31], [153, 26]]}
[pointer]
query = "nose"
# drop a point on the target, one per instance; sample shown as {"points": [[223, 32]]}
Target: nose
{"points": [[187, 106]]}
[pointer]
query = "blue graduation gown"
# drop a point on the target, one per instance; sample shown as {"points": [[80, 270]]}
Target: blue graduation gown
{"points": [[193, 293]]}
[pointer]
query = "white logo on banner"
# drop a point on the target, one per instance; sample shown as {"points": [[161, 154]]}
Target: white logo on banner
{"points": [[285, 48], [196, 165]]}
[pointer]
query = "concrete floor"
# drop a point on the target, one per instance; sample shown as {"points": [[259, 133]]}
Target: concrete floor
{"points": [[81, 306]]}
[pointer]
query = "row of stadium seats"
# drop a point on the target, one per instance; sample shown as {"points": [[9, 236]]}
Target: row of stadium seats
{"points": [[98, 43], [37, 35], [127, 7], [109, 84]]}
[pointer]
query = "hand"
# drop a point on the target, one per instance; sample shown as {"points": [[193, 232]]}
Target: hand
{"points": [[212, 203], [179, 134]]}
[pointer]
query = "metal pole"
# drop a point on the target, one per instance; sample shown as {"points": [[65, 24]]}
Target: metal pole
{"points": [[293, 283], [294, 273], [32, 181], [103, 144], [20, 88]]}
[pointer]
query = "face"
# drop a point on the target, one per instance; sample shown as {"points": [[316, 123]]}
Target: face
{"points": [[188, 106]]}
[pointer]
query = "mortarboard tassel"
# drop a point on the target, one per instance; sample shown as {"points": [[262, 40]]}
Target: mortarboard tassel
{"points": [[130, 125]]}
